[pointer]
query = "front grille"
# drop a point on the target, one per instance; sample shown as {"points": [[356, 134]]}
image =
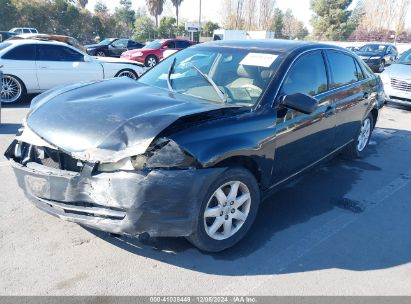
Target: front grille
{"points": [[401, 84], [48, 157]]}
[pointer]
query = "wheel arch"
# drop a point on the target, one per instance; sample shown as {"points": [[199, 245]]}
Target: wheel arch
{"points": [[246, 162]]}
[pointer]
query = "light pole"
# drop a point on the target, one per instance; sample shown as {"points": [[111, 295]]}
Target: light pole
{"points": [[199, 23]]}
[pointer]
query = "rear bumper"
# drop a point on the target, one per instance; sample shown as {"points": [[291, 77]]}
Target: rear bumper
{"points": [[160, 202]]}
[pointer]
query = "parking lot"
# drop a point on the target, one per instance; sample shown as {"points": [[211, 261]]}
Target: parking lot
{"points": [[342, 229]]}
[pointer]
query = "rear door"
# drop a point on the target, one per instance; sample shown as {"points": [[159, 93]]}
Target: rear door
{"points": [[303, 139], [20, 62], [351, 92], [61, 65]]}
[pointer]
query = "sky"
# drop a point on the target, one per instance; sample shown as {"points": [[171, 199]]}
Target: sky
{"points": [[211, 9]]}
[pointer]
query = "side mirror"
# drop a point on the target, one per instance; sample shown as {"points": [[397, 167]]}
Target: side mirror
{"points": [[87, 58], [165, 47], [300, 102]]}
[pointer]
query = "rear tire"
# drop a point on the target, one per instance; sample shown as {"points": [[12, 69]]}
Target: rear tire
{"points": [[227, 212], [101, 54], [127, 73], [356, 148], [151, 61]]}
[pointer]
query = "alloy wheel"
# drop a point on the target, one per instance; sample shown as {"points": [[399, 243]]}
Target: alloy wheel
{"points": [[381, 67], [101, 54], [151, 62], [128, 74], [364, 135], [11, 89], [227, 210]]}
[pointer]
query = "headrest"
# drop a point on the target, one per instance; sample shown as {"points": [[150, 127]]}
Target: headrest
{"points": [[246, 71]]}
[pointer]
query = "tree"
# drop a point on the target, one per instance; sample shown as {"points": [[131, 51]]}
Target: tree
{"points": [[100, 8], [125, 17], [144, 29], [82, 3], [155, 7], [277, 23], [292, 27], [167, 27], [176, 4], [209, 28], [266, 14], [8, 14], [330, 20]]}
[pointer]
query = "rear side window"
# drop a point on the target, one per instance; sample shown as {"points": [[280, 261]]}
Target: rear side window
{"points": [[22, 52], [171, 45], [58, 53], [182, 44], [343, 68], [307, 76]]}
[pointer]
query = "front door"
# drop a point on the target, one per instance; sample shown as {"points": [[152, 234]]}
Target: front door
{"points": [[303, 139], [60, 65]]}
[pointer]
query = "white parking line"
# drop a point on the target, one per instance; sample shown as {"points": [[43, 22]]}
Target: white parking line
{"points": [[277, 263]]}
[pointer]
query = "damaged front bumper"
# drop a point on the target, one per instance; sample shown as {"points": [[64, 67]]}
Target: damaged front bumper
{"points": [[158, 202]]}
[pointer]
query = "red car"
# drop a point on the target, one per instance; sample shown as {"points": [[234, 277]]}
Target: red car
{"points": [[152, 53]]}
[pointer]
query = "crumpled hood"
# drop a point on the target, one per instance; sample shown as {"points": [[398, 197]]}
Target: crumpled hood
{"points": [[109, 120], [401, 71]]}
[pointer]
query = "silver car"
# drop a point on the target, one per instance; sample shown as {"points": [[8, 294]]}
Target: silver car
{"points": [[397, 80]]}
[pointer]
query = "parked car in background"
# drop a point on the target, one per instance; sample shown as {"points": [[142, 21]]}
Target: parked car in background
{"points": [[6, 35], [112, 47], [153, 52], [34, 66], [190, 150], [24, 30], [353, 48], [397, 80], [377, 56], [45, 37]]}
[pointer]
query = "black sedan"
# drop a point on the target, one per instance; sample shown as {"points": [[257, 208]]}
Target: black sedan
{"points": [[112, 47], [194, 145], [377, 56]]}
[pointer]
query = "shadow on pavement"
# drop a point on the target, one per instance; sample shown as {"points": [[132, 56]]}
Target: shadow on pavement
{"points": [[19, 105], [312, 195], [9, 128]]}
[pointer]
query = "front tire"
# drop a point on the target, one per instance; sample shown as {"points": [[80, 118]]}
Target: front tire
{"points": [[381, 66], [227, 212], [356, 148], [12, 89], [100, 54]]}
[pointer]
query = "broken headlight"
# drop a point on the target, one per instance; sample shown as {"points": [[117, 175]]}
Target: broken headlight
{"points": [[165, 153]]}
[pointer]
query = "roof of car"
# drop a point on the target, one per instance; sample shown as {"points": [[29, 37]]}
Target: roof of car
{"points": [[34, 41], [280, 45]]}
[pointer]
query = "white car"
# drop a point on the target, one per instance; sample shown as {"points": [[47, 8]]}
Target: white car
{"points": [[34, 66], [24, 30]]}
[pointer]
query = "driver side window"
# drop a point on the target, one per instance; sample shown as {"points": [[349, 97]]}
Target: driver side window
{"points": [[308, 76]]}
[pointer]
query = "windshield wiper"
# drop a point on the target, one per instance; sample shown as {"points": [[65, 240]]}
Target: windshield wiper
{"points": [[169, 74], [220, 94]]}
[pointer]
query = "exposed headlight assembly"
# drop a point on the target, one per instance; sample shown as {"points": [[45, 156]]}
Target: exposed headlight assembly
{"points": [[164, 154]]}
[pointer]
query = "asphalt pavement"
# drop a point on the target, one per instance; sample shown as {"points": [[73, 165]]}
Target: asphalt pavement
{"points": [[342, 229]]}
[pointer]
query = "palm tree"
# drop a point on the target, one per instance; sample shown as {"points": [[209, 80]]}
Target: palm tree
{"points": [[155, 7], [82, 3], [176, 4]]}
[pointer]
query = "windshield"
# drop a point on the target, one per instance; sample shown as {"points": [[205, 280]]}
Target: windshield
{"points": [[379, 48], [153, 45], [3, 45], [405, 58], [107, 41], [218, 74]]}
